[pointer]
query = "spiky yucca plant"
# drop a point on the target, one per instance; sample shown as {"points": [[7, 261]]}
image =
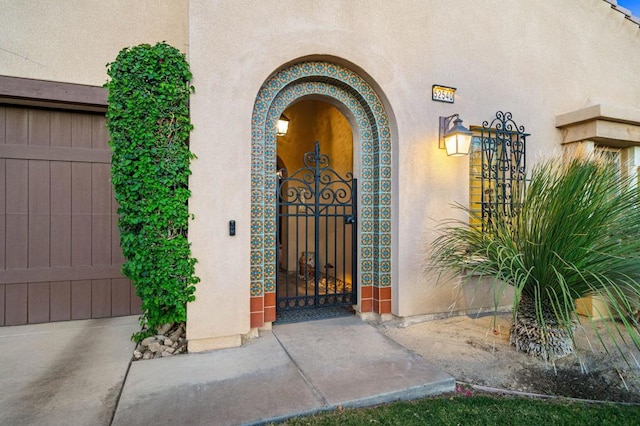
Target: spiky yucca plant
{"points": [[576, 233]]}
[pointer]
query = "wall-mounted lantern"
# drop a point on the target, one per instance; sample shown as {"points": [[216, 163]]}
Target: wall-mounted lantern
{"points": [[283, 125], [456, 138]]}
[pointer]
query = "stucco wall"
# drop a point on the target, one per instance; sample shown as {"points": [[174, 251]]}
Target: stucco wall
{"points": [[72, 40], [534, 59]]}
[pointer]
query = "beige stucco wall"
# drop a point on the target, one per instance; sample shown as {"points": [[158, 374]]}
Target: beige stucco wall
{"points": [[73, 40], [534, 59]]}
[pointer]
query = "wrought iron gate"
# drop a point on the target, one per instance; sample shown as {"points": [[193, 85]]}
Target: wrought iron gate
{"points": [[316, 235]]}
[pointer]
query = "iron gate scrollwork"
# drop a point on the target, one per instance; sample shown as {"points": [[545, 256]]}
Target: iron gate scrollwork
{"points": [[503, 171], [316, 235]]}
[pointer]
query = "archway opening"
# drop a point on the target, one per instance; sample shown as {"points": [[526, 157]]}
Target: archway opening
{"points": [[316, 230]]}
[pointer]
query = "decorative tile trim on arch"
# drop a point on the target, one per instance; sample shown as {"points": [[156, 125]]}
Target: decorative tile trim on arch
{"points": [[348, 88]]}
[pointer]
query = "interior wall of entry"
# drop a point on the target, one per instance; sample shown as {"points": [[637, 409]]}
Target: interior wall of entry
{"points": [[372, 146], [311, 120]]}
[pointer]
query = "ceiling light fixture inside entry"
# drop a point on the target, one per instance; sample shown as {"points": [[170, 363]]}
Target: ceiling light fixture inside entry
{"points": [[283, 125]]}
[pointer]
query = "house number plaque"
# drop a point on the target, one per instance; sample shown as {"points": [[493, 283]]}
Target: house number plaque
{"points": [[442, 93]]}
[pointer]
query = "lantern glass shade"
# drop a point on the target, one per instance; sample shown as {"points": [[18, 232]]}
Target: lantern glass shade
{"points": [[457, 144], [283, 125], [455, 139]]}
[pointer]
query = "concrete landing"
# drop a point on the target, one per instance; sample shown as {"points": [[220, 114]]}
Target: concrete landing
{"points": [[294, 369]]}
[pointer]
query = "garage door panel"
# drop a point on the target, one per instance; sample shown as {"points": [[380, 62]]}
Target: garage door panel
{"points": [[3, 216], [2, 303], [17, 238], [39, 232], [100, 298], [38, 302], [16, 304], [101, 214], [39, 127], [101, 240], [81, 214], [3, 126], [17, 186], [81, 299], [60, 129], [17, 128], [60, 300], [17, 203], [120, 296], [60, 213], [39, 214], [81, 130], [99, 133], [81, 240]]}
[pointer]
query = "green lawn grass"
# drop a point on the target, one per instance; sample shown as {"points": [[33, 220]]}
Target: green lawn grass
{"points": [[480, 410]]}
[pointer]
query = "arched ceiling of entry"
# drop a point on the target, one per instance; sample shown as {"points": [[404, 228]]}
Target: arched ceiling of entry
{"points": [[313, 119]]}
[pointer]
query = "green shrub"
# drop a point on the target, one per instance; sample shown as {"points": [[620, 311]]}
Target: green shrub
{"points": [[148, 123]]}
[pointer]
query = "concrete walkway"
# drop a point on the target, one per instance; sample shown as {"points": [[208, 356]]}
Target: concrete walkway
{"points": [[72, 373], [65, 373]]}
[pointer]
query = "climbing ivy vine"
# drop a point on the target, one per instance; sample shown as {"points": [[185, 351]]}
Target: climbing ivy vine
{"points": [[148, 123]]}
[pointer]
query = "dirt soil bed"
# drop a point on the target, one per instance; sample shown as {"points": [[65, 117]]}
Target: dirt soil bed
{"points": [[476, 350]]}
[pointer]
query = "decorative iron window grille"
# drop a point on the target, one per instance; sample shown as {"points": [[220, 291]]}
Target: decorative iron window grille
{"points": [[497, 170]]}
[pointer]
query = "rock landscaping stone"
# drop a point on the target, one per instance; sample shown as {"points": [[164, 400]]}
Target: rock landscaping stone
{"points": [[162, 346], [179, 332], [164, 328], [145, 342]]}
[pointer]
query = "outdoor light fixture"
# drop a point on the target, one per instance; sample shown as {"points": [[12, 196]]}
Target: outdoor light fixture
{"points": [[283, 125], [456, 138]]}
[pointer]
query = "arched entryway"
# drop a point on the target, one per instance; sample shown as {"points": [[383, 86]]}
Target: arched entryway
{"points": [[372, 166]]}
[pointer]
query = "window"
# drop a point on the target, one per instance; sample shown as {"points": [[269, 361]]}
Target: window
{"points": [[611, 154]]}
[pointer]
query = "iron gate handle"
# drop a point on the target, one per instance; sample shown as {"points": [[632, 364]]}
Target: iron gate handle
{"points": [[350, 220]]}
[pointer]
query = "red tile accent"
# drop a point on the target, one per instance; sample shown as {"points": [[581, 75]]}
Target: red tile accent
{"points": [[257, 320], [385, 307], [366, 292], [270, 314], [384, 293], [376, 293], [256, 304], [366, 305], [269, 299]]}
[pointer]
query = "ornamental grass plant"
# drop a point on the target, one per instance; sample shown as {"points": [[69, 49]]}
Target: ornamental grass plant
{"points": [[573, 232]]}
